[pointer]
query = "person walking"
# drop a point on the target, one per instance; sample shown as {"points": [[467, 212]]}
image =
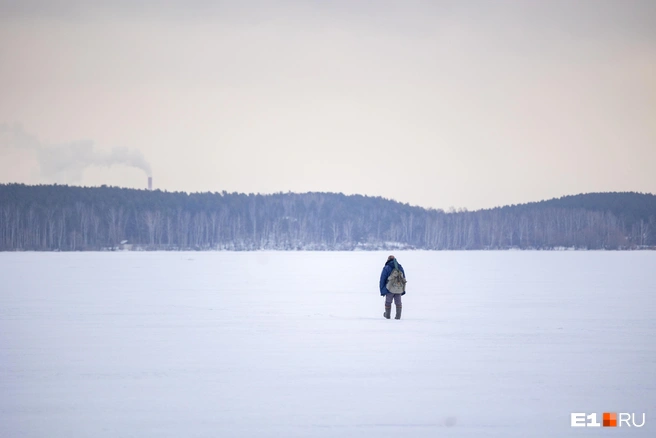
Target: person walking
{"points": [[392, 286]]}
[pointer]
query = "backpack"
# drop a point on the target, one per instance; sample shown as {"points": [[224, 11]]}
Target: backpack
{"points": [[396, 280]]}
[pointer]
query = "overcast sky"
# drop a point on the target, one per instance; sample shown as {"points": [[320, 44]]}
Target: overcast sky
{"points": [[435, 103]]}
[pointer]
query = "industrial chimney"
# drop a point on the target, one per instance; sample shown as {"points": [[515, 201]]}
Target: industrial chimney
{"points": [[150, 183]]}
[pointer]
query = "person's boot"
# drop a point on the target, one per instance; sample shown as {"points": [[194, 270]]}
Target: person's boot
{"points": [[398, 312], [388, 311]]}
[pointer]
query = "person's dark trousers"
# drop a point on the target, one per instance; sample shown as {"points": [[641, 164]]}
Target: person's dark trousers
{"points": [[388, 305]]}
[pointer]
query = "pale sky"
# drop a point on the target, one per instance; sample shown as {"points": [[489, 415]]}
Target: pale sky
{"points": [[458, 103]]}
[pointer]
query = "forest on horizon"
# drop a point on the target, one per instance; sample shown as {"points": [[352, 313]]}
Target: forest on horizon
{"points": [[71, 218]]}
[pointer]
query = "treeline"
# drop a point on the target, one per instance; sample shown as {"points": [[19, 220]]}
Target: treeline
{"points": [[66, 218]]}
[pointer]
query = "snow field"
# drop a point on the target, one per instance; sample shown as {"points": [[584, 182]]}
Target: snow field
{"points": [[293, 344]]}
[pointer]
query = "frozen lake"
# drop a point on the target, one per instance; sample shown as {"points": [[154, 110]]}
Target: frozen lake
{"points": [[293, 344]]}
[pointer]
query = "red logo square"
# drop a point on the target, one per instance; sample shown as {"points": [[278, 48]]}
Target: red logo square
{"points": [[610, 419]]}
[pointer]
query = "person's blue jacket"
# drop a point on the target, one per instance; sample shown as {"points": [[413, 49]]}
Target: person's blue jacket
{"points": [[387, 270]]}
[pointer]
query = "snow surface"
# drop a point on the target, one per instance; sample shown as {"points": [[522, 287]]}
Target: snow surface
{"points": [[293, 344]]}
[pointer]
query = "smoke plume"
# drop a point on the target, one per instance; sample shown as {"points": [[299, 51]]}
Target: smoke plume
{"points": [[66, 162]]}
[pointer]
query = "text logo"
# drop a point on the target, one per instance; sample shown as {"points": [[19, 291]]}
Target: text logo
{"points": [[608, 419]]}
